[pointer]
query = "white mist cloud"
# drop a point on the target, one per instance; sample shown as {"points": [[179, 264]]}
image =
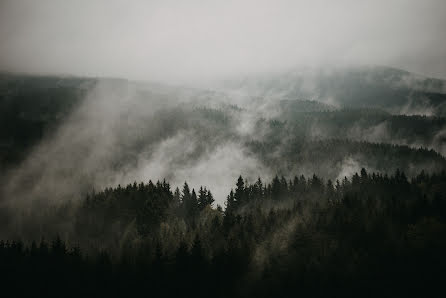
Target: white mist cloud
{"points": [[124, 132], [349, 167], [217, 169]]}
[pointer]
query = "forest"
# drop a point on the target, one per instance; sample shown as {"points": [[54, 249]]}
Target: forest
{"points": [[223, 149], [112, 187], [363, 236]]}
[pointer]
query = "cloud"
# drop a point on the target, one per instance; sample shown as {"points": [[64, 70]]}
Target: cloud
{"points": [[349, 167], [195, 40], [217, 169]]}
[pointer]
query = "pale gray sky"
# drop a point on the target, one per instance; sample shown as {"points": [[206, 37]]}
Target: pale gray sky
{"points": [[182, 40]]}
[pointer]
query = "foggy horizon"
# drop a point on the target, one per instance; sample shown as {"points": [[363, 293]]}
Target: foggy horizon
{"points": [[165, 41]]}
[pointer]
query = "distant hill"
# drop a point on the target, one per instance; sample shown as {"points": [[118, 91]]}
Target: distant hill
{"points": [[395, 90], [32, 105], [82, 133]]}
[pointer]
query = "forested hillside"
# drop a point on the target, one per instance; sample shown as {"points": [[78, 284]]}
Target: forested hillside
{"points": [[305, 235], [32, 106], [394, 90], [263, 187]]}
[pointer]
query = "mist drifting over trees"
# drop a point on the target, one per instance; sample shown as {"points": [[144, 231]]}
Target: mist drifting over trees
{"points": [[236, 149]]}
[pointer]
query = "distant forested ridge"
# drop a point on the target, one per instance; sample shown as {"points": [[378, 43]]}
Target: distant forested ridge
{"points": [[33, 110], [395, 90]]}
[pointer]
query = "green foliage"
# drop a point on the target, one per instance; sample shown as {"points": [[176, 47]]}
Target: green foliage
{"points": [[374, 233]]}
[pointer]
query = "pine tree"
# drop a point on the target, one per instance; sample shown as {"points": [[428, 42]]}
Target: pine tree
{"points": [[240, 194], [192, 205], [186, 193], [230, 203], [202, 198], [177, 197], [209, 198]]}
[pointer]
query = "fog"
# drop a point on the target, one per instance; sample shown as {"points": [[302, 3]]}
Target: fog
{"points": [[122, 131], [191, 41]]}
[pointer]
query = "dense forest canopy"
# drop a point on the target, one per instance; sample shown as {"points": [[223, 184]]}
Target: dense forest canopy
{"points": [[306, 235]]}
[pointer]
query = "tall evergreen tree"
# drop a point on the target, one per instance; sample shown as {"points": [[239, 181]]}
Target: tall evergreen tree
{"points": [[240, 193]]}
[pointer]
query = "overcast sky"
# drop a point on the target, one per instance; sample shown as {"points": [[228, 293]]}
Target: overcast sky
{"points": [[182, 40]]}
